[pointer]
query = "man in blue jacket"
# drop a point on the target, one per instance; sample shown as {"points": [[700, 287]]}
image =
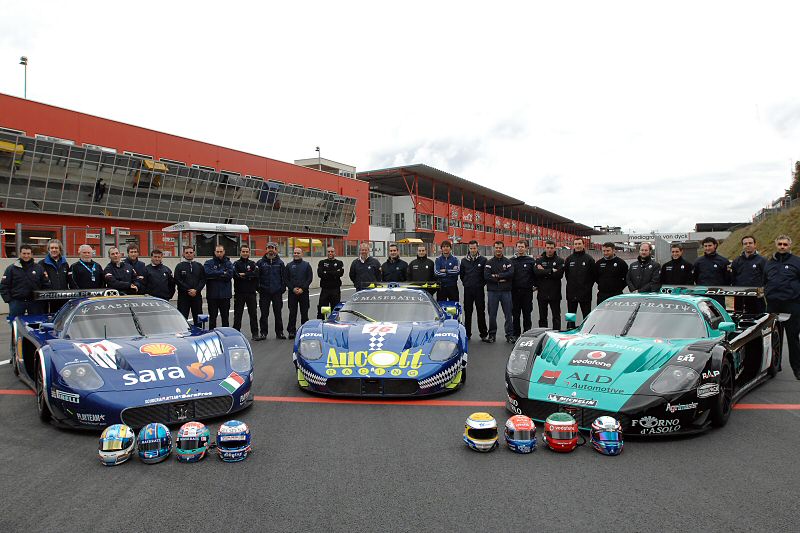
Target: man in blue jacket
{"points": [[20, 280], [298, 280], [471, 274], [711, 268], [782, 289], [219, 273], [499, 274], [59, 273], [747, 270], [446, 269], [271, 286]]}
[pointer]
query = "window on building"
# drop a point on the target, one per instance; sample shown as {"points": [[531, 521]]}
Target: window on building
{"points": [[399, 221], [424, 221], [441, 224]]}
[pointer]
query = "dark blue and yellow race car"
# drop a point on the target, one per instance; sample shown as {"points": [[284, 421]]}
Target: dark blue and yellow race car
{"points": [[128, 359], [386, 341]]}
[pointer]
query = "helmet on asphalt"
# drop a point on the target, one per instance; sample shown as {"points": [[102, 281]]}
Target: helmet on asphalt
{"points": [[480, 432], [520, 434], [560, 432], [606, 435], [233, 441], [116, 444], [154, 443], [192, 442]]}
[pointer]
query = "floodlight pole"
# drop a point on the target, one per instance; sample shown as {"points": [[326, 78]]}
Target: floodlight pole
{"points": [[24, 62]]}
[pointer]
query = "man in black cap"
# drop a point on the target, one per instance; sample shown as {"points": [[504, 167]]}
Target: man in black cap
{"points": [[245, 286], [329, 272], [271, 286]]}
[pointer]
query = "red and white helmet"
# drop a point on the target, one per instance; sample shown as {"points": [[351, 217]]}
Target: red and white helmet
{"points": [[560, 432]]}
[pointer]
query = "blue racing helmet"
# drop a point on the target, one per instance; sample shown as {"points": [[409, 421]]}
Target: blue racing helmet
{"points": [[154, 443], [606, 435], [116, 444], [192, 442], [520, 434], [233, 441]]}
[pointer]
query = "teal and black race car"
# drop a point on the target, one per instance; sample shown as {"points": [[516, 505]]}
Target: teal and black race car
{"points": [[674, 362]]}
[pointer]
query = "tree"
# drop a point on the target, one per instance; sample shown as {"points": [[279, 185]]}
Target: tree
{"points": [[794, 190]]}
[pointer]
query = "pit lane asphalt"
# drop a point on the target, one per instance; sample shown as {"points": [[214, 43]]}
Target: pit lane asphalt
{"points": [[366, 467]]}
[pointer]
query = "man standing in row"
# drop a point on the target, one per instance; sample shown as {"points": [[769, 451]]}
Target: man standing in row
{"points": [[499, 274], [245, 286], [133, 261], [58, 272], [522, 289], [158, 278], [86, 274], [271, 286], [645, 273], [678, 271], [579, 273], [120, 275], [190, 277], [329, 272], [747, 270], [549, 271], [471, 273], [219, 273], [711, 268], [782, 289], [298, 279], [422, 269], [19, 282], [364, 269], [446, 269], [610, 272], [394, 269]]}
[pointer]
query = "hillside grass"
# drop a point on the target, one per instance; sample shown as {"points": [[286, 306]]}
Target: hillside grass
{"points": [[786, 222]]}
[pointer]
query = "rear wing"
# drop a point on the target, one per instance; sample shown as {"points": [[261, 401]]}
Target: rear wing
{"points": [[743, 292], [69, 294], [400, 285]]}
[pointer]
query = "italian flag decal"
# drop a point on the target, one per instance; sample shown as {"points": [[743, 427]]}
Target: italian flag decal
{"points": [[232, 382]]}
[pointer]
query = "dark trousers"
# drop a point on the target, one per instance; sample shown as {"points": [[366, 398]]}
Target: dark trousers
{"points": [[572, 307], [328, 297], [503, 299], [791, 329], [447, 294], [749, 306], [265, 299], [475, 295], [522, 303], [20, 308], [188, 303], [296, 300], [221, 305], [239, 301], [555, 310]]}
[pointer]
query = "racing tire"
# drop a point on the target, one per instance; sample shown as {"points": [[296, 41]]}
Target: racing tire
{"points": [[777, 354], [41, 398], [721, 410]]}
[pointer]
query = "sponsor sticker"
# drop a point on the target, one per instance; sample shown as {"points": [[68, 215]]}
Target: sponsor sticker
{"points": [[594, 359], [650, 425], [549, 377], [102, 353], [180, 395], [307, 335], [687, 358], [150, 376], [672, 408], [571, 400], [707, 390], [232, 382], [526, 343], [155, 349], [65, 396], [91, 418], [710, 374]]}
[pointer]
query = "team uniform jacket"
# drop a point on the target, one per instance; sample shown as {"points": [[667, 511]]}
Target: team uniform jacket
{"points": [[504, 268], [159, 281], [364, 272], [549, 279], [748, 271], [87, 275], [421, 269], [121, 278], [19, 281], [782, 278], [711, 269], [396, 270], [579, 273], [138, 266], [677, 272], [471, 271], [60, 275], [189, 275], [524, 272], [298, 274], [271, 276], [249, 283], [610, 275], [448, 278], [330, 272], [644, 275], [219, 273]]}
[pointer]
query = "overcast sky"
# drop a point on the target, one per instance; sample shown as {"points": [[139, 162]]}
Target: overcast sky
{"points": [[641, 114]]}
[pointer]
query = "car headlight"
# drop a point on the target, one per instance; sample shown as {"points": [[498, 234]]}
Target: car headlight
{"points": [[81, 376], [518, 361], [443, 350], [675, 379], [310, 349], [240, 359]]}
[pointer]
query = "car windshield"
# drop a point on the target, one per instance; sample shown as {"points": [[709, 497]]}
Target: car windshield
{"points": [[125, 318], [650, 318], [389, 306]]}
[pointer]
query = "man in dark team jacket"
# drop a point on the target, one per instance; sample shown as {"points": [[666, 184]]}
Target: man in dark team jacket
{"points": [[394, 269], [158, 278], [471, 270], [364, 269], [329, 272], [422, 269], [549, 271], [644, 275], [579, 273], [245, 287], [120, 275], [522, 288], [219, 273], [190, 277], [86, 274], [711, 268], [747, 270], [58, 272], [19, 281], [137, 265], [298, 280], [782, 290], [446, 270], [610, 272], [271, 286], [678, 271], [498, 275]]}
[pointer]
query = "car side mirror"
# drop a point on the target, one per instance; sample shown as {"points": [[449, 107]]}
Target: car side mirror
{"points": [[452, 311], [326, 311], [571, 317], [47, 326], [728, 327], [203, 319]]}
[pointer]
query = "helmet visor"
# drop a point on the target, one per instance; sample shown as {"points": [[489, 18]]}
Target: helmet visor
{"points": [[239, 441], [521, 434], [192, 444], [607, 436], [563, 434], [114, 445], [150, 446], [482, 434]]}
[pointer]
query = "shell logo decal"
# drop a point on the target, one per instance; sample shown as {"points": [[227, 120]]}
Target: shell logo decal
{"points": [[158, 348]]}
